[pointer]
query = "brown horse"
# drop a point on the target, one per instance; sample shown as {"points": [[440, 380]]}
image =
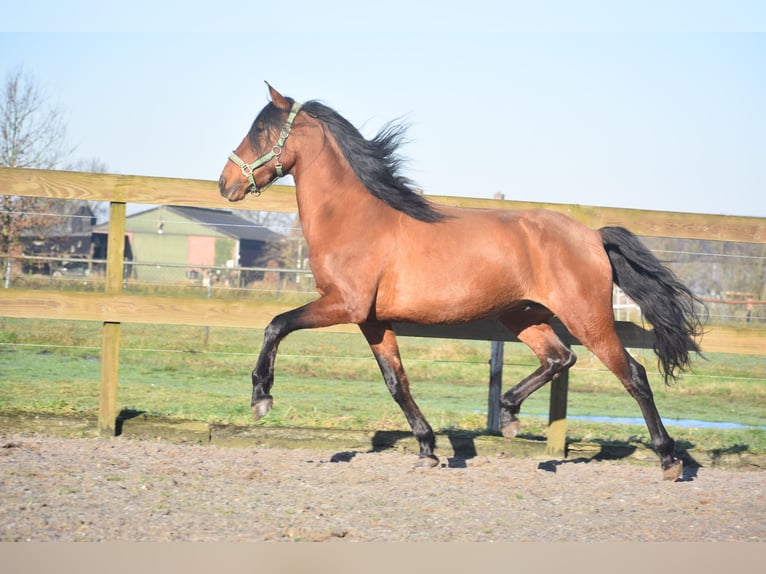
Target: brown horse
{"points": [[381, 253]]}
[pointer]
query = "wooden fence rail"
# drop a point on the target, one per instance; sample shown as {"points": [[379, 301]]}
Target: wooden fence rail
{"points": [[114, 307]]}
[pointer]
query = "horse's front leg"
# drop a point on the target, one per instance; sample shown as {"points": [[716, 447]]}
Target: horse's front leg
{"points": [[383, 343], [263, 373], [320, 313]]}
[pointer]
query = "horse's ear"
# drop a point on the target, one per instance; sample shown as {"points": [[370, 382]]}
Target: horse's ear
{"points": [[278, 99]]}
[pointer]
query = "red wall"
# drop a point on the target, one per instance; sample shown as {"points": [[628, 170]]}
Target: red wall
{"points": [[201, 251]]}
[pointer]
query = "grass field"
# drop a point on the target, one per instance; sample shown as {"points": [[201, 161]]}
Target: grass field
{"points": [[330, 380]]}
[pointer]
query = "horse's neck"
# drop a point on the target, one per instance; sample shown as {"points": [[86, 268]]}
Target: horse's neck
{"points": [[329, 194]]}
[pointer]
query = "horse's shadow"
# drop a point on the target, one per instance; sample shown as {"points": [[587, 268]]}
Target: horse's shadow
{"points": [[689, 470], [125, 415], [463, 445]]}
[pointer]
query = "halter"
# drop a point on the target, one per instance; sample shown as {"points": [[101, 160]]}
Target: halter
{"points": [[276, 152]]}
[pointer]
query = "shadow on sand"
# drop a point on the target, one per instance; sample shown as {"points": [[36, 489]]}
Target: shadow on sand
{"points": [[464, 447]]}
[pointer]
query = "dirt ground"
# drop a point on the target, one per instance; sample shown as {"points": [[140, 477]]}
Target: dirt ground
{"points": [[118, 489]]}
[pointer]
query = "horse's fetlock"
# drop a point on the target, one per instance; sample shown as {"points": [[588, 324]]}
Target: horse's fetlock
{"points": [[509, 406], [664, 446]]}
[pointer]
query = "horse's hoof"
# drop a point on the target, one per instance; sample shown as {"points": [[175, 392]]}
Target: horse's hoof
{"points": [[511, 429], [262, 407], [427, 462], [674, 471]]}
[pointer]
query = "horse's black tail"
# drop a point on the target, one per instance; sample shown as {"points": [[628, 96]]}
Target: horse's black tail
{"points": [[666, 303]]}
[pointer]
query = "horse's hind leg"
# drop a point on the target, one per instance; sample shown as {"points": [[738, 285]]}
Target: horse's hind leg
{"points": [[607, 346], [664, 446], [531, 327], [383, 343], [633, 377]]}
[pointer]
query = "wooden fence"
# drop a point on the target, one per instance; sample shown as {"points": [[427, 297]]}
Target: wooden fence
{"points": [[113, 307]]}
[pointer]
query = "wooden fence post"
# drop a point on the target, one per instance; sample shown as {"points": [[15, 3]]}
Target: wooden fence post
{"points": [[556, 444], [110, 337], [495, 386]]}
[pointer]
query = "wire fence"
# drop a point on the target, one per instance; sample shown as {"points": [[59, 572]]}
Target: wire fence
{"points": [[152, 277]]}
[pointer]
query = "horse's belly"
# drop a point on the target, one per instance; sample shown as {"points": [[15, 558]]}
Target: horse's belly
{"points": [[431, 298]]}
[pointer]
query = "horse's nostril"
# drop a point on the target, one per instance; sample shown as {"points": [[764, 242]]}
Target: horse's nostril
{"points": [[222, 187]]}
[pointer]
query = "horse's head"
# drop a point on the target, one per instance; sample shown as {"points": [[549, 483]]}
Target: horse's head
{"points": [[258, 161]]}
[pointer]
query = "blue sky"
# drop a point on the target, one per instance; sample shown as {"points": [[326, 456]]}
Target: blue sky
{"points": [[647, 105]]}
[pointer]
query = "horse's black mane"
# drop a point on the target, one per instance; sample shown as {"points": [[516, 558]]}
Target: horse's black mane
{"points": [[375, 162]]}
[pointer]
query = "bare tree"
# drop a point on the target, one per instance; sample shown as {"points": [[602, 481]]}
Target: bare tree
{"points": [[32, 133]]}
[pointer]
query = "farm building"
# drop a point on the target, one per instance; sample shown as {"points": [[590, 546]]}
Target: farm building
{"points": [[66, 239], [179, 242], [68, 234]]}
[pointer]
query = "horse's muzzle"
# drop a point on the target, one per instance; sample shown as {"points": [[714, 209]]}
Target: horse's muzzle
{"points": [[236, 192]]}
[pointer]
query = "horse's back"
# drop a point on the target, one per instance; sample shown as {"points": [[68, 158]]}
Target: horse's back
{"points": [[545, 236], [482, 262]]}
